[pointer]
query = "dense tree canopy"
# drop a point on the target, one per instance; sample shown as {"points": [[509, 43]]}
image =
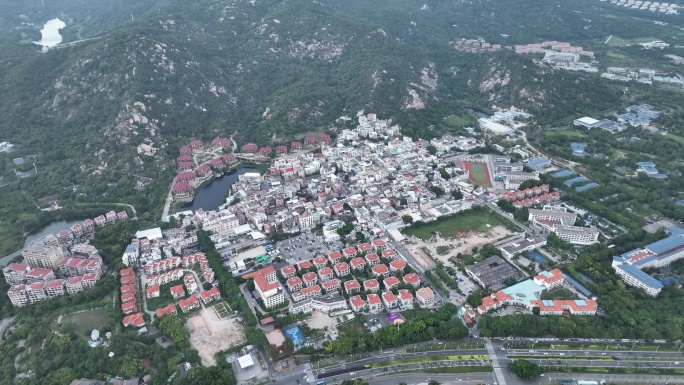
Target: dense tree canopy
{"points": [[525, 370]]}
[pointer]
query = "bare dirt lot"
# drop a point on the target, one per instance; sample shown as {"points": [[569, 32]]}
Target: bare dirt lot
{"points": [[423, 260], [209, 334], [464, 245]]}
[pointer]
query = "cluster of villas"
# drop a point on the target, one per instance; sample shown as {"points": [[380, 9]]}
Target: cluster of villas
{"points": [[149, 247], [165, 272], [317, 283], [87, 227], [191, 175], [527, 294], [49, 273], [531, 196]]}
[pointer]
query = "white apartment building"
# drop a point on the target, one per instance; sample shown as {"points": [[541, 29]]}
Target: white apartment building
{"points": [[425, 296], [55, 288], [558, 220], [15, 273], [44, 252], [35, 292], [632, 276], [657, 254], [17, 295], [307, 221], [554, 214], [577, 235], [268, 287]]}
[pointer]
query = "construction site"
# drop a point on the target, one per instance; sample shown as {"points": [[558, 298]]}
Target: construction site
{"points": [[210, 334]]}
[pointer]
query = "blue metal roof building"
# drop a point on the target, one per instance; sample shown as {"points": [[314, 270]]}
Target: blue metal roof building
{"points": [[567, 173], [641, 276], [572, 181], [586, 186], [666, 244], [539, 164], [578, 148], [577, 285]]}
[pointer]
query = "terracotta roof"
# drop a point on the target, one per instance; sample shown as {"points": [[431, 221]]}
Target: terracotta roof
{"points": [[388, 296], [373, 299], [357, 302], [353, 284]]}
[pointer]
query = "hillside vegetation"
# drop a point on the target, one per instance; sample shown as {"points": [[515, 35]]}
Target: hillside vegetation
{"points": [[164, 71]]}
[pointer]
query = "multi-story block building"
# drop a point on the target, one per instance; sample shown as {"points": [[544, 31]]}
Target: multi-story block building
{"points": [[558, 220], [309, 279], [374, 302], [390, 254], [177, 291], [152, 291], [74, 285], [189, 303], [397, 265], [55, 288], [351, 287], [358, 263], [325, 274], [372, 259], [371, 285], [390, 300], [412, 279], [381, 271], [35, 292], [425, 296], [17, 295], [311, 292], [550, 279], [405, 299], [379, 245], [342, 269], [655, 255], [210, 295], [294, 284], [268, 287], [320, 262], [332, 286], [15, 273], [357, 304], [391, 282], [44, 252], [39, 275]]}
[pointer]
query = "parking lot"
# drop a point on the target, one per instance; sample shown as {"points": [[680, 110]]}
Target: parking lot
{"points": [[302, 247], [372, 322], [466, 285]]}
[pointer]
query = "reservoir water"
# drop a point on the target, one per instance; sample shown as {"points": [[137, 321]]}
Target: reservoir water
{"points": [[214, 194], [53, 228], [50, 36]]}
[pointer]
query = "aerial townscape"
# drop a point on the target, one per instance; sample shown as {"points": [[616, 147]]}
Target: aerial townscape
{"points": [[357, 193]]}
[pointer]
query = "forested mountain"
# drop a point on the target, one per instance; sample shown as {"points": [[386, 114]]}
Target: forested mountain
{"points": [[163, 71]]}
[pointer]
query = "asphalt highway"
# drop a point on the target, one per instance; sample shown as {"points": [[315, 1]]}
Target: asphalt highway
{"points": [[642, 360]]}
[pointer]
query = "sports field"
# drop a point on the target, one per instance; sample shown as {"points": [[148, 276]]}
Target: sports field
{"points": [[478, 173]]}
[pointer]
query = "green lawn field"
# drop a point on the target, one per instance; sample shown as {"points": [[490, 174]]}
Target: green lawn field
{"points": [[462, 222]]}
